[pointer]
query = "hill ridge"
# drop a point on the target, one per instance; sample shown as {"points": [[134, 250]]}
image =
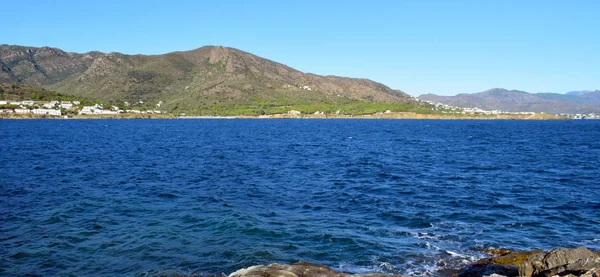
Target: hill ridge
{"points": [[519, 101], [204, 77]]}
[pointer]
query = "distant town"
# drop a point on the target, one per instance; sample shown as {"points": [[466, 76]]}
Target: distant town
{"points": [[66, 108], [461, 110]]}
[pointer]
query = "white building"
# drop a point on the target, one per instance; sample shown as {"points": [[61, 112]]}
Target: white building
{"points": [[87, 110], [66, 105], [3, 102], [50, 105], [306, 88], [46, 111], [28, 103], [108, 112], [22, 111], [96, 109]]}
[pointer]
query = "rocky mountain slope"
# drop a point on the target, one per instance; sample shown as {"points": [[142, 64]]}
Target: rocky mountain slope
{"points": [[208, 76], [518, 101], [41, 66]]}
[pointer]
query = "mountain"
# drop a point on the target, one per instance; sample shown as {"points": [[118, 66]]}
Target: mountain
{"points": [[588, 97], [41, 66], [578, 92], [520, 101], [187, 80]]}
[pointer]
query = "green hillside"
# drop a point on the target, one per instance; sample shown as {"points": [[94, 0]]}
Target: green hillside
{"points": [[207, 81], [20, 92]]}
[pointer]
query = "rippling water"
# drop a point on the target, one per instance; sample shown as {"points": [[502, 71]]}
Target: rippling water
{"points": [[155, 197]]}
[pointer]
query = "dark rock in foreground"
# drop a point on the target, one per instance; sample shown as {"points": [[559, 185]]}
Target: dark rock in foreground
{"points": [[561, 262], [299, 269], [567, 262], [505, 264]]}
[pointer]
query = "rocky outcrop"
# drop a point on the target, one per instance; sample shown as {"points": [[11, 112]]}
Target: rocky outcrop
{"points": [[568, 262], [503, 263], [561, 261], [299, 269]]}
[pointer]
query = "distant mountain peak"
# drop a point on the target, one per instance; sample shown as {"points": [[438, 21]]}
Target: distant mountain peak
{"points": [[581, 92], [521, 101], [502, 90]]}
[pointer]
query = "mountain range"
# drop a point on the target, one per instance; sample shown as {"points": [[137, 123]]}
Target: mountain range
{"points": [[223, 77], [521, 101], [186, 80]]}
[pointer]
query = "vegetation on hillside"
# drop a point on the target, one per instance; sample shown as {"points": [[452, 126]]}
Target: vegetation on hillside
{"points": [[20, 92], [264, 107]]}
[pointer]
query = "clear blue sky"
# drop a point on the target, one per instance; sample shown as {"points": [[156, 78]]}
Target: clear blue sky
{"points": [[443, 47]]}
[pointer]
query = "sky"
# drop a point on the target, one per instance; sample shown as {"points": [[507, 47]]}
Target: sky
{"points": [[429, 46]]}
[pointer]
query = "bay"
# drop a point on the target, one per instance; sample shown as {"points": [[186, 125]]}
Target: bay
{"points": [[160, 197]]}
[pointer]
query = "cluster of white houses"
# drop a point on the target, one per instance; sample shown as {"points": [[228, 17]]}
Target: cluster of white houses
{"points": [[451, 109], [460, 110], [582, 116], [55, 108], [37, 107]]}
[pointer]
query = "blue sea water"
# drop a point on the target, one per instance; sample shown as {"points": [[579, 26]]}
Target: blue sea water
{"points": [[164, 197]]}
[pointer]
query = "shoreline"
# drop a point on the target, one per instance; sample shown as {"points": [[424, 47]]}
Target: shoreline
{"points": [[396, 115], [563, 262]]}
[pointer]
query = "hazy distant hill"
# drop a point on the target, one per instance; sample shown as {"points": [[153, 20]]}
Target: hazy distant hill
{"points": [[207, 76], [575, 97], [578, 92], [590, 97], [514, 100]]}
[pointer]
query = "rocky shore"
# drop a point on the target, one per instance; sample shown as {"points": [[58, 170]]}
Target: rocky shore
{"points": [[562, 262]]}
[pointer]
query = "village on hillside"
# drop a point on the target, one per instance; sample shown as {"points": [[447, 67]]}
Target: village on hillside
{"points": [[66, 108], [461, 110]]}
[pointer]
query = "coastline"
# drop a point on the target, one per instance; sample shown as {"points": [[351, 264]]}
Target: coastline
{"points": [[412, 115], [558, 262], [393, 115], [117, 116]]}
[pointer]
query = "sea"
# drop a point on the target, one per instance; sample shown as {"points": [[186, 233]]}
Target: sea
{"points": [[210, 196]]}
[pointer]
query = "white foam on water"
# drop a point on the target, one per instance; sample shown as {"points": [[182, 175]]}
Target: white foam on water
{"points": [[454, 254], [347, 267], [388, 267]]}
